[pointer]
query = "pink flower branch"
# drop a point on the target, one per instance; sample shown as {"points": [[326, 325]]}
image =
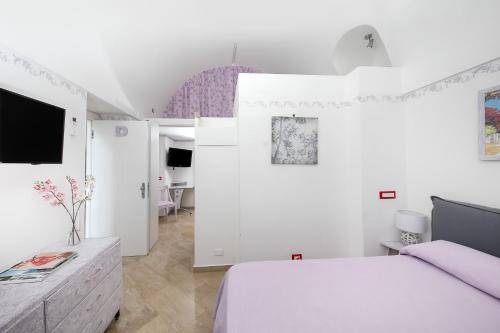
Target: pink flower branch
{"points": [[49, 192]]}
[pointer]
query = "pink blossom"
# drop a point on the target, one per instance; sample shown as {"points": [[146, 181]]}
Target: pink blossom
{"points": [[48, 191]]}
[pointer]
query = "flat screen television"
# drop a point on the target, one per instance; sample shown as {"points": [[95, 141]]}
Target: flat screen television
{"points": [[30, 131], [179, 158]]}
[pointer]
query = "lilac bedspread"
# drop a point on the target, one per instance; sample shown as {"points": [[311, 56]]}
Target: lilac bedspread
{"points": [[434, 287]]}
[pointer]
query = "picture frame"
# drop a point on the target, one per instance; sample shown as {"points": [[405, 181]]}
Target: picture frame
{"points": [[489, 124], [294, 140]]}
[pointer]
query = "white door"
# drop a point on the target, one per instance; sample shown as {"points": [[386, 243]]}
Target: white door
{"points": [[154, 172], [120, 165]]}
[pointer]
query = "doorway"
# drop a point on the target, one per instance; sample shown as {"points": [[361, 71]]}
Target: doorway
{"points": [[174, 167]]}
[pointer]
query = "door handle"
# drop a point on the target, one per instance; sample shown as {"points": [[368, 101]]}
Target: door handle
{"points": [[143, 190]]}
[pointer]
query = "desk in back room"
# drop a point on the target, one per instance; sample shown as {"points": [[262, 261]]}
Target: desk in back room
{"points": [[178, 191]]}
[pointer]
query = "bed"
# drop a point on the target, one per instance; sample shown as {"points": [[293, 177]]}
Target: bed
{"points": [[451, 284]]}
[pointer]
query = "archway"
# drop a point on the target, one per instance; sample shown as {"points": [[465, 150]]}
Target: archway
{"points": [[360, 46]]}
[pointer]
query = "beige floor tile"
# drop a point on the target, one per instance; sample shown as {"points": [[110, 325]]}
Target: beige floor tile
{"points": [[161, 293]]}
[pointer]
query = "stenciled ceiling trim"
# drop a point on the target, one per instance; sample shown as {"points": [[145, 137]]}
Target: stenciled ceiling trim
{"points": [[490, 67], [11, 57], [323, 104]]}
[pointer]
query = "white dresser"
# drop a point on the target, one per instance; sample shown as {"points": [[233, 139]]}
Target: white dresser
{"points": [[82, 296]]}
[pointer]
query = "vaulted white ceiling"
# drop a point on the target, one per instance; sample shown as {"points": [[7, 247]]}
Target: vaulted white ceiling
{"points": [[134, 54]]}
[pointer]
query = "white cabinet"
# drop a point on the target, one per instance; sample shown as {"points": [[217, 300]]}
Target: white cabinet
{"points": [[82, 296]]}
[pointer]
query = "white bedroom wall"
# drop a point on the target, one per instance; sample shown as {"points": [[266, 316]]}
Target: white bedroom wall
{"points": [[331, 209], [27, 222], [287, 209], [442, 143], [382, 149], [430, 40]]}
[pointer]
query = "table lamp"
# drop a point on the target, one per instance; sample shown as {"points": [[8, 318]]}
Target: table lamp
{"points": [[412, 225]]}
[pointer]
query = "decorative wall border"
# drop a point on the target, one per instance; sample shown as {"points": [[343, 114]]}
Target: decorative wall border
{"points": [[323, 104], [9, 56], [490, 67]]}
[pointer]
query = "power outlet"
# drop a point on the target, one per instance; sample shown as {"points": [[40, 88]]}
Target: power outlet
{"points": [[218, 252]]}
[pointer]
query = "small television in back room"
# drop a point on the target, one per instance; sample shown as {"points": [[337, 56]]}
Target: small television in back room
{"points": [[31, 131], [179, 158]]}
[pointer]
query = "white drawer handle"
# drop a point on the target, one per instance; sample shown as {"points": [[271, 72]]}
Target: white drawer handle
{"points": [[95, 302]]}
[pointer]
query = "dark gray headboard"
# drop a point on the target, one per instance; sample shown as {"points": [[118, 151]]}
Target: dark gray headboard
{"points": [[471, 225]]}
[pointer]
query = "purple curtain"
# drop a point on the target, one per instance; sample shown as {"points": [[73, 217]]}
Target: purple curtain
{"points": [[210, 93]]}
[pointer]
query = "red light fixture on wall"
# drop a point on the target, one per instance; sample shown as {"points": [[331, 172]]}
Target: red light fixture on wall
{"points": [[383, 195]]}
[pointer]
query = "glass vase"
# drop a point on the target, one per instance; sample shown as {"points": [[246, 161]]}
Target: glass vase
{"points": [[74, 237]]}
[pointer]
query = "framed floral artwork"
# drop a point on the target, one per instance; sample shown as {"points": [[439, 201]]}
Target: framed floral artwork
{"points": [[489, 124], [294, 140]]}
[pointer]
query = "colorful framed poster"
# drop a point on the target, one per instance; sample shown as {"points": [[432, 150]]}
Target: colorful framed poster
{"points": [[489, 124]]}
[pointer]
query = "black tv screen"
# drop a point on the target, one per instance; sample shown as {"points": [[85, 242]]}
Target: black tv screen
{"points": [[179, 157], [30, 131]]}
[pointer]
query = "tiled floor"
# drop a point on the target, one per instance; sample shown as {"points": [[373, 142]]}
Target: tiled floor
{"points": [[160, 292]]}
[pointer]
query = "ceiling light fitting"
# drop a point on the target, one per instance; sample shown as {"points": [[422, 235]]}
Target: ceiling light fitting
{"points": [[369, 38], [235, 51]]}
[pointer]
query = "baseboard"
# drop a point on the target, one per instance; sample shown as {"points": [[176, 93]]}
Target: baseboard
{"points": [[198, 269]]}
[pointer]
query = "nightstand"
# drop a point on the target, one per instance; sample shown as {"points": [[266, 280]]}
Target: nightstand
{"points": [[393, 247]]}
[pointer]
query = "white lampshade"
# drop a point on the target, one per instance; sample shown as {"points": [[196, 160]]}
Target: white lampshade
{"points": [[409, 221]]}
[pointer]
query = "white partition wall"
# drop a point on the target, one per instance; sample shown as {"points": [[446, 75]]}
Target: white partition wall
{"points": [[251, 209], [331, 209], [380, 128], [307, 209], [217, 192]]}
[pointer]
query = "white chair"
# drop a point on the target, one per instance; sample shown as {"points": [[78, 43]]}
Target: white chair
{"points": [[166, 201]]}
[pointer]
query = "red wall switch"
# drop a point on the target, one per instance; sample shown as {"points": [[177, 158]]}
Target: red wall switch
{"points": [[297, 256], [387, 195]]}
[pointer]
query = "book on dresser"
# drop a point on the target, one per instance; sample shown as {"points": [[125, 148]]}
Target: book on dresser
{"points": [[81, 295]]}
